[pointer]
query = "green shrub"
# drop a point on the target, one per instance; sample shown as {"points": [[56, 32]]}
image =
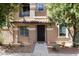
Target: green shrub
{"points": [[1, 39], [55, 46]]}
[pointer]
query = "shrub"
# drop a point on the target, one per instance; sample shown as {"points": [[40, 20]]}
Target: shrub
{"points": [[55, 46], [1, 39]]}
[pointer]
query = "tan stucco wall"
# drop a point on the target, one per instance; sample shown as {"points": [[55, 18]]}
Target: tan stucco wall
{"points": [[42, 13], [52, 36], [32, 33], [30, 39], [7, 37], [33, 13]]}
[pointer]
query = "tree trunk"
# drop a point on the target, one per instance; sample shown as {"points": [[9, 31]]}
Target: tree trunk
{"points": [[74, 35]]}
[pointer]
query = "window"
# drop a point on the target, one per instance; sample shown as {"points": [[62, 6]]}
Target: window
{"points": [[62, 30], [25, 11], [26, 7], [40, 7], [24, 31]]}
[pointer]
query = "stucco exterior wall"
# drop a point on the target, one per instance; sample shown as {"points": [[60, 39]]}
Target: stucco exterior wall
{"points": [[42, 13], [30, 39], [7, 37], [33, 13], [52, 36], [32, 34]]}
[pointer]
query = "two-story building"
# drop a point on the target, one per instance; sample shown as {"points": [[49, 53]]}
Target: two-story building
{"points": [[32, 25]]}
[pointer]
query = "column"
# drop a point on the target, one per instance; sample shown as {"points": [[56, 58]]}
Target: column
{"points": [[15, 35]]}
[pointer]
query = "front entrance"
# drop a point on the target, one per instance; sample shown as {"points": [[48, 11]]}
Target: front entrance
{"points": [[41, 33]]}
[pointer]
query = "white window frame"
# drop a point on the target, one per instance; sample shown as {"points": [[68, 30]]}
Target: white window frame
{"points": [[66, 36]]}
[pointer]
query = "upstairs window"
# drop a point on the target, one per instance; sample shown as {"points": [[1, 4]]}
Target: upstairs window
{"points": [[24, 31], [40, 7], [25, 9], [62, 30]]}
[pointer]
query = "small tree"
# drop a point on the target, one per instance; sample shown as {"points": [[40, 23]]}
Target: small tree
{"points": [[7, 11], [66, 13]]}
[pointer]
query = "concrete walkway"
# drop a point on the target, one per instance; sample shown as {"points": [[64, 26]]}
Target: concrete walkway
{"points": [[40, 49]]}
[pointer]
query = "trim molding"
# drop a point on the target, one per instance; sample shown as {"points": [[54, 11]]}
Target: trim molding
{"points": [[49, 28], [32, 28]]}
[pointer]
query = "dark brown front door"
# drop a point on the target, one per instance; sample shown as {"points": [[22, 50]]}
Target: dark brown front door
{"points": [[40, 32]]}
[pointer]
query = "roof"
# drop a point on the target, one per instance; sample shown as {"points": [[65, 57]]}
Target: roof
{"points": [[32, 20]]}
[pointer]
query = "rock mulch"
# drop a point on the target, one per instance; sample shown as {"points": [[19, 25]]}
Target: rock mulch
{"points": [[39, 49], [65, 51], [15, 49]]}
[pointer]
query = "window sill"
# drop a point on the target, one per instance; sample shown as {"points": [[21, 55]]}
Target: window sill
{"points": [[39, 10], [25, 16], [23, 36], [62, 37], [40, 17]]}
